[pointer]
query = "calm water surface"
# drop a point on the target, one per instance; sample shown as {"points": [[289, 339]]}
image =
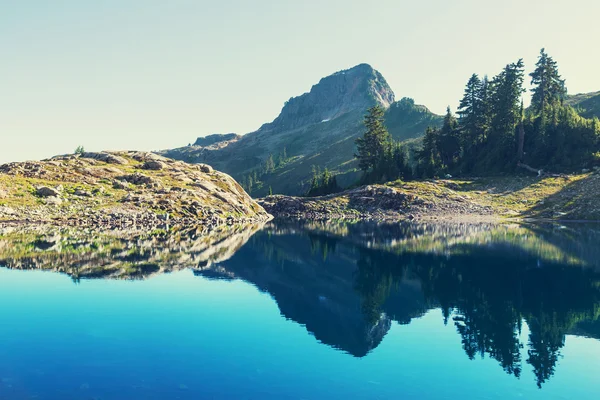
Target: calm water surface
{"points": [[302, 311]]}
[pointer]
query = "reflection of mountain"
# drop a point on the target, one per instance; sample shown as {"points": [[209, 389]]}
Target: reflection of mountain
{"points": [[313, 283], [346, 283]]}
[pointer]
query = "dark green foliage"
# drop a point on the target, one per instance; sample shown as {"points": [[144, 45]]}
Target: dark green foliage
{"points": [[494, 134], [549, 88], [407, 120], [587, 104], [323, 184], [379, 156], [270, 164], [372, 145], [441, 148], [79, 150]]}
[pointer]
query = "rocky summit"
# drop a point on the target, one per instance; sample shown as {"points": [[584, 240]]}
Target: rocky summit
{"points": [[122, 189], [315, 129]]}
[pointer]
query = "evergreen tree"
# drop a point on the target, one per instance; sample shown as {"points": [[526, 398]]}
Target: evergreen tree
{"points": [[429, 156], [323, 184], [549, 88], [371, 146], [269, 164], [250, 184], [448, 140], [505, 99], [473, 114]]}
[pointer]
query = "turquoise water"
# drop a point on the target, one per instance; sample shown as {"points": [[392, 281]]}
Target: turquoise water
{"points": [[311, 313]]}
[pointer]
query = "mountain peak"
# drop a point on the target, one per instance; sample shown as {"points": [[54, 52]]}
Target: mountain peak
{"points": [[353, 89]]}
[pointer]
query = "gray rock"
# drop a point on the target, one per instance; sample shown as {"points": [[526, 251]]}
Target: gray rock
{"points": [[53, 201], [153, 165], [7, 211], [137, 179], [82, 193], [45, 191], [207, 169], [120, 185], [108, 158]]}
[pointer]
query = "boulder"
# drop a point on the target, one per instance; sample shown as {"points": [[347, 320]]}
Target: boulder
{"points": [[137, 179], [153, 165], [207, 169], [108, 158], [45, 191], [82, 193]]}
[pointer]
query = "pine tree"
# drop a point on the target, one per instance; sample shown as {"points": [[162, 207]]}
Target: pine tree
{"points": [[269, 164], [449, 140], [372, 145], [429, 156], [505, 108], [250, 184], [270, 191], [472, 118], [549, 88]]}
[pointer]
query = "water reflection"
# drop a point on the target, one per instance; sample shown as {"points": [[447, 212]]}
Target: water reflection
{"points": [[347, 283]]}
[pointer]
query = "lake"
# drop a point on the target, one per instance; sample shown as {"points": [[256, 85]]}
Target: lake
{"points": [[294, 310]]}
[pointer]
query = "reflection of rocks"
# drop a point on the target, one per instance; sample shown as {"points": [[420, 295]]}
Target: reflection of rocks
{"points": [[119, 255]]}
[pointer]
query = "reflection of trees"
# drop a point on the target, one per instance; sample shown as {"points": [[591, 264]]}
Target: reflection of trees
{"points": [[374, 282], [323, 244], [488, 298]]}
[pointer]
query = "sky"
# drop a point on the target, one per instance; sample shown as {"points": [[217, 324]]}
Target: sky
{"points": [[155, 74]]}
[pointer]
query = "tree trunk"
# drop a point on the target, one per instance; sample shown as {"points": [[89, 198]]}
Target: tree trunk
{"points": [[520, 151], [528, 168]]}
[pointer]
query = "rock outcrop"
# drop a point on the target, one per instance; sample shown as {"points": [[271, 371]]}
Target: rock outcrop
{"points": [[122, 188]]}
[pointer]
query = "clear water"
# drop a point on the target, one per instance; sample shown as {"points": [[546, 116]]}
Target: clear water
{"points": [[303, 312]]}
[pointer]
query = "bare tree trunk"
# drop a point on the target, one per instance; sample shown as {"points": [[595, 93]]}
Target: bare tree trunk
{"points": [[530, 169], [520, 151]]}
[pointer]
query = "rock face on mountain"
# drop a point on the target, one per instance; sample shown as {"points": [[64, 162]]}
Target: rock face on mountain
{"points": [[317, 128], [588, 104], [122, 189], [216, 138], [345, 91]]}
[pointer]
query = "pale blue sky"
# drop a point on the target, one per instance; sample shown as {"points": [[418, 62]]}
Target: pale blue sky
{"points": [[149, 74]]}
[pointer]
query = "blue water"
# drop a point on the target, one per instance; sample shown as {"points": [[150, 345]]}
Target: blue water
{"points": [[268, 335]]}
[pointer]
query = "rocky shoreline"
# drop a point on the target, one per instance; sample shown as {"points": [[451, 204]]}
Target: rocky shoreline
{"points": [[565, 197], [373, 202]]}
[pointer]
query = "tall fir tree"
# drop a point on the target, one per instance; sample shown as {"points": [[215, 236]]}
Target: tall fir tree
{"points": [[372, 145], [449, 141], [505, 98], [549, 87]]}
